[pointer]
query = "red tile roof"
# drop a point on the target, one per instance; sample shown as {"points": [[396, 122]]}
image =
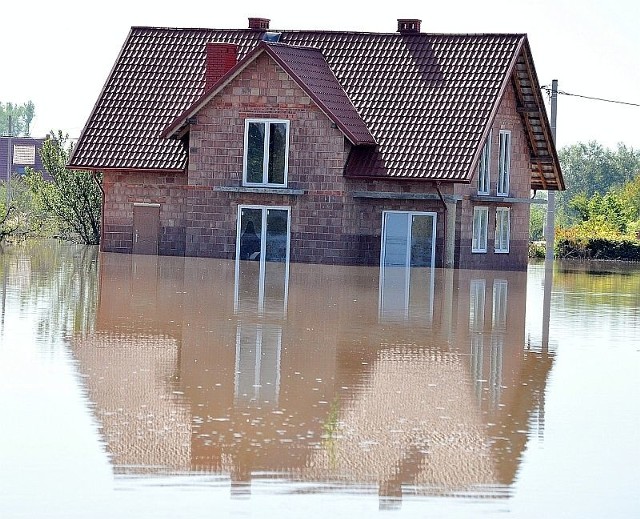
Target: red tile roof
{"points": [[426, 99], [307, 66]]}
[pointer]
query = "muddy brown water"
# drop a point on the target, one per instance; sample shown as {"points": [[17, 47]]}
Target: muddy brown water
{"points": [[143, 386]]}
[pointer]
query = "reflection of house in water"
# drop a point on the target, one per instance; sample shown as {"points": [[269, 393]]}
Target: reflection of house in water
{"points": [[131, 364], [406, 379]]}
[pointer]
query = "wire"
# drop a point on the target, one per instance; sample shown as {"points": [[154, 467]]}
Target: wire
{"points": [[547, 89]]}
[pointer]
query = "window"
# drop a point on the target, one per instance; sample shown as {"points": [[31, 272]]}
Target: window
{"points": [[266, 148], [483, 168], [504, 163], [503, 225], [263, 233], [24, 154], [408, 239], [480, 223]]}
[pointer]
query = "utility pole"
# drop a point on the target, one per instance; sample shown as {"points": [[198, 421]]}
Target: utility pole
{"points": [[550, 229], [9, 162]]}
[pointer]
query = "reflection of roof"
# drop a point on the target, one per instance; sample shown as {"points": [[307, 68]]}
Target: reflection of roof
{"points": [[426, 99], [144, 426], [417, 422]]}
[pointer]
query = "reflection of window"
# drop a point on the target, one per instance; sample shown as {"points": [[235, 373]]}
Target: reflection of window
{"points": [[266, 149], [504, 163], [477, 290], [24, 155], [503, 230], [258, 349], [499, 325], [495, 369], [263, 237], [499, 318], [476, 305], [483, 168], [406, 294], [480, 224]]}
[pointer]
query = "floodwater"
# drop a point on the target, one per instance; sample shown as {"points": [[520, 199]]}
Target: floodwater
{"points": [[155, 387]]}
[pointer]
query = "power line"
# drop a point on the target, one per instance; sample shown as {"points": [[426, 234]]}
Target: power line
{"points": [[547, 89]]}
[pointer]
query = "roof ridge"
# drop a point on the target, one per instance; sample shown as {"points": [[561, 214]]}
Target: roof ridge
{"points": [[333, 32]]}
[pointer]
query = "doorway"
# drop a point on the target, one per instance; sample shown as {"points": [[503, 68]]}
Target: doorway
{"points": [[408, 239], [262, 258], [146, 228]]}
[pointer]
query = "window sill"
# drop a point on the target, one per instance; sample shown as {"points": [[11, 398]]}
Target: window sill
{"points": [[505, 199], [260, 190], [478, 251]]}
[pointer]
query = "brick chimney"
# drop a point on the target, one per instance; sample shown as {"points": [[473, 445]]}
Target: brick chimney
{"points": [[408, 26], [221, 58], [259, 24]]}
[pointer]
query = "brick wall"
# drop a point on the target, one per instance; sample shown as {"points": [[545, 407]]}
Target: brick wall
{"points": [[328, 225], [507, 118], [124, 189]]}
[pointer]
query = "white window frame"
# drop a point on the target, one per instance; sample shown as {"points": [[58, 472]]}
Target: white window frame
{"points": [[503, 234], [480, 229], [409, 215], [504, 163], [484, 168], [265, 162], [24, 154]]}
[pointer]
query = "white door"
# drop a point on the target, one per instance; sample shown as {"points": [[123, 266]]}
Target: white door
{"points": [[408, 239]]}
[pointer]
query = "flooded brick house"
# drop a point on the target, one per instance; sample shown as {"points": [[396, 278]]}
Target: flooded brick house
{"points": [[404, 148]]}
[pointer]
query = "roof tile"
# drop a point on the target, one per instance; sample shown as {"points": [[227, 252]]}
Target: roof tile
{"points": [[425, 99]]}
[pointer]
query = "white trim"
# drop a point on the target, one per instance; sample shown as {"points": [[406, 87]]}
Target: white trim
{"points": [[484, 167], [145, 204], [263, 244], [501, 244], [408, 251], [504, 163], [480, 234], [265, 155]]}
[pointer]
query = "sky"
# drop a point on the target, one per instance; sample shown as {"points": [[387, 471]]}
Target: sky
{"points": [[59, 54]]}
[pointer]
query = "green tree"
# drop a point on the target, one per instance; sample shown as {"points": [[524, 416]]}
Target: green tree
{"points": [[630, 195], [16, 119], [537, 222], [19, 216], [589, 169], [610, 209], [72, 197]]}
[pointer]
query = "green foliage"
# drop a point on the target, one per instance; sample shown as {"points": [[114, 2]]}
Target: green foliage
{"points": [[19, 215], [537, 250], [21, 117], [584, 247], [601, 207], [611, 210], [73, 197], [536, 222], [630, 196], [589, 169]]}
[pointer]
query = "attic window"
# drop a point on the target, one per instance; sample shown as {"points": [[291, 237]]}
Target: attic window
{"points": [[24, 155], [266, 149]]}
